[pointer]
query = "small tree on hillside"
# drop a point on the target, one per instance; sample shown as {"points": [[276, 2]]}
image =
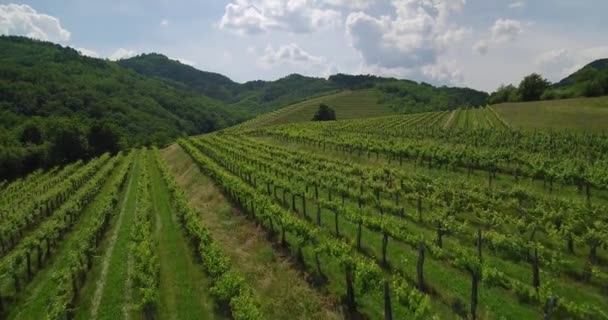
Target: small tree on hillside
{"points": [[532, 87], [325, 113]]}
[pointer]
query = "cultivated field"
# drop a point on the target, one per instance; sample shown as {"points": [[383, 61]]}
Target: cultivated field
{"points": [[437, 215], [347, 104], [589, 114], [478, 223]]}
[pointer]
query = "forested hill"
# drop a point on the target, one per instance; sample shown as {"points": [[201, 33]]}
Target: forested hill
{"points": [[57, 106], [252, 97], [257, 97], [213, 85], [591, 80]]}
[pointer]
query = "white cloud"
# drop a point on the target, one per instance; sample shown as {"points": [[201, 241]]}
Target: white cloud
{"points": [[23, 20], [505, 30], [87, 52], [451, 36], [297, 16], [481, 47], [415, 37], [353, 4], [448, 72], [164, 23], [122, 53], [290, 54], [515, 4], [557, 64]]}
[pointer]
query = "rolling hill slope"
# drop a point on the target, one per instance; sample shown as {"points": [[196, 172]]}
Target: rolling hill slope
{"points": [[258, 97], [347, 104], [588, 114], [57, 106]]}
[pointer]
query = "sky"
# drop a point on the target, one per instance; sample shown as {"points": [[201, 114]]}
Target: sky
{"points": [[480, 44]]}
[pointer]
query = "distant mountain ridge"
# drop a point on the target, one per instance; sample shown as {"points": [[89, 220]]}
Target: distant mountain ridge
{"points": [[256, 97]]}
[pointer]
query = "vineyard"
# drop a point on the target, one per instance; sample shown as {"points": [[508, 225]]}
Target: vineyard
{"points": [[437, 215], [583, 114], [347, 104]]}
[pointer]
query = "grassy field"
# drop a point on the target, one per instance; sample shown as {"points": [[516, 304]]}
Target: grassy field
{"points": [[347, 104], [575, 114]]}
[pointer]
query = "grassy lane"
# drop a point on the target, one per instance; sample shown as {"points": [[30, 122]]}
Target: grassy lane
{"points": [[184, 289], [285, 295], [38, 292], [106, 296]]}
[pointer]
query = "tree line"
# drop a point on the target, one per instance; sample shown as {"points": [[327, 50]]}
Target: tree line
{"points": [[587, 82]]}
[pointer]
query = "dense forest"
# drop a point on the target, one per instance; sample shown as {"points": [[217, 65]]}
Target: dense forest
{"points": [[57, 106]]}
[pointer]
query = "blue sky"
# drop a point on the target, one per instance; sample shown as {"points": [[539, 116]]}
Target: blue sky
{"points": [[475, 43]]}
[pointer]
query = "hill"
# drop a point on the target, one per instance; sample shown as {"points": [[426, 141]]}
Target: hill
{"points": [[211, 84], [253, 97], [388, 97], [584, 114], [585, 73], [589, 81], [257, 97], [57, 106], [347, 104]]}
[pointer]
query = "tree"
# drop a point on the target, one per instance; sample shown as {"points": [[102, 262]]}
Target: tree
{"points": [[503, 94], [104, 138], [32, 133], [325, 113], [532, 87], [593, 88], [69, 142]]}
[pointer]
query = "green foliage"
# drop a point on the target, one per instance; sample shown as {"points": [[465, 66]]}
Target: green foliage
{"points": [[503, 94], [104, 138], [56, 103], [257, 97], [590, 81], [210, 84], [252, 98], [406, 96], [532, 87], [229, 288], [325, 113]]}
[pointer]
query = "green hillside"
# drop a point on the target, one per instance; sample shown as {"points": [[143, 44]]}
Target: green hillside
{"points": [[257, 97], [589, 114], [252, 97], [391, 97], [347, 104], [213, 85], [595, 69], [57, 106]]}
